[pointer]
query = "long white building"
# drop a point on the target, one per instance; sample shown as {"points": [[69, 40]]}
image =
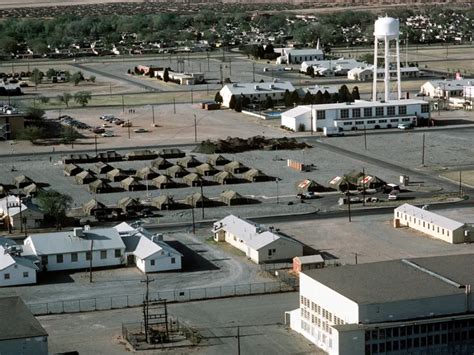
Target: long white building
{"points": [[445, 88], [356, 115], [256, 92], [260, 244], [408, 306], [432, 224], [367, 73]]}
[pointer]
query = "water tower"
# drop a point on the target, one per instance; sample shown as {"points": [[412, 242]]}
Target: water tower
{"points": [[386, 30]]}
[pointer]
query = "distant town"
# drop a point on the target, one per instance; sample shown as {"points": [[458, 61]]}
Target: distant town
{"points": [[263, 178]]}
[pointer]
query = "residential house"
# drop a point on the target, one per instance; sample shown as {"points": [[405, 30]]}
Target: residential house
{"points": [[18, 213], [15, 269]]}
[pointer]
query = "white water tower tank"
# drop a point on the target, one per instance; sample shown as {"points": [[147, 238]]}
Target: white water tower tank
{"points": [[387, 27]]}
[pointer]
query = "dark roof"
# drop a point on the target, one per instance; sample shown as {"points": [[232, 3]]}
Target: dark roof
{"points": [[399, 280], [21, 322]]}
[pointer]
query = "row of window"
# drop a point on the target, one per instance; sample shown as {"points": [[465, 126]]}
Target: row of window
{"points": [[318, 310], [152, 261], [392, 120], [6, 276], [75, 256], [368, 111], [430, 226]]}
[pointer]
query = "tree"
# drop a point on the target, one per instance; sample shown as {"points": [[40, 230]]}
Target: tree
{"points": [[34, 113], [54, 205], [319, 98], [50, 73], [308, 98], [77, 77], [355, 93], [310, 71], [92, 78], [268, 102], [9, 45], [82, 97], [218, 98], [69, 135], [238, 105], [36, 76], [287, 99], [43, 99], [344, 94], [31, 133], [295, 99], [166, 75], [65, 98], [327, 97], [232, 102]]}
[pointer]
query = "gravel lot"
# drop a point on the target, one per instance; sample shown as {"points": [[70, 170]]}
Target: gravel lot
{"points": [[373, 238], [260, 319]]}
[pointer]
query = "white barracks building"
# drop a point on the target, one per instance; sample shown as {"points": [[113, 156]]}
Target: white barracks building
{"points": [[386, 113]]}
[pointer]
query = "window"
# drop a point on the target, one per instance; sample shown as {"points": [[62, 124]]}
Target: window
{"points": [[394, 120], [356, 112], [25, 274], [73, 257], [173, 260], [345, 113], [359, 122], [425, 108], [152, 262], [59, 258], [367, 111], [118, 253], [370, 122], [103, 254], [320, 115], [379, 111], [382, 121], [347, 123], [402, 110], [6, 276], [88, 255], [391, 111], [405, 120]]}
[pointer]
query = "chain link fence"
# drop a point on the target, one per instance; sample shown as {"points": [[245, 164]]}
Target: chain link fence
{"points": [[177, 295]]}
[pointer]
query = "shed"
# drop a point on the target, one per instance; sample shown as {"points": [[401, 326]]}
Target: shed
{"points": [[85, 177], [72, 169], [164, 202], [131, 184], [31, 189], [102, 168], [206, 169], [108, 156], [197, 200], [231, 198], [176, 171], [116, 175], [224, 177], [193, 179], [94, 208], [77, 158], [99, 186], [163, 182], [161, 164], [21, 181], [130, 205], [171, 153], [217, 159], [235, 167], [255, 175], [303, 263], [309, 185], [141, 155], [189, 162], [146, 173]]}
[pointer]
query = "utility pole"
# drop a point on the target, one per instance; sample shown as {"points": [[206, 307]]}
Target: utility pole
{"points": [[423, 152], [174, 105], [355, 256], [348, 195], [238, 340], [90, 261], [195, 129], [311, 125], [363, 187], [278, 191], [208, 61], [253, 72], [145, 305], [202, 200], [365, 137], [128, 126], [110, 89], [192, 98], [192, 214], [460, 184], [153, 113], [222, 77], [123, 105]]}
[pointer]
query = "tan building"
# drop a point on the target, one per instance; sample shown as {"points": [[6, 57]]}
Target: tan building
{"points": [[432, 224]]}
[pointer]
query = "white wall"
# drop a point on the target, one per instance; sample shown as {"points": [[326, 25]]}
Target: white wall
{"points": [[349, 342], [293, 122], [284, 249], [162, 263], [16, 275], [82, 263]]}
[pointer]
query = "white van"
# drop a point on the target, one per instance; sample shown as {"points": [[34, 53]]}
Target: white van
{"points": [[393, 195]]}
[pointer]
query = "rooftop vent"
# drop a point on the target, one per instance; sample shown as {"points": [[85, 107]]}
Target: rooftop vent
{"points": [[256, 87], [78, 232]]}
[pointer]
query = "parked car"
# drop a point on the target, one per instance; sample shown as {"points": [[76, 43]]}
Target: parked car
{"points": [[371, 199], [391, 187], [118, 122], [107, 117], [127, 124], [393, 195], [140, 130], [404, 126], [108, 134], [307, 196], [98, 130]]}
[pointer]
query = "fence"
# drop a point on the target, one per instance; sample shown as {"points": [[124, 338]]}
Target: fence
{"points": [[275, 266], [183, 295]]}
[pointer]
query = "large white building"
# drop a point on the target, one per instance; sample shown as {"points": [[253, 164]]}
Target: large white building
{"points": [[408, 306], [71, 250], [298, 56], [432, 224], [260, 244], [445, 88], [366, 73], [15, 269], [256, 92], [149, 252], [356, 115]]}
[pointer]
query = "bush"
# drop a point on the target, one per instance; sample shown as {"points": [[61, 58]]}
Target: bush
{"points": [[301, 127]]}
